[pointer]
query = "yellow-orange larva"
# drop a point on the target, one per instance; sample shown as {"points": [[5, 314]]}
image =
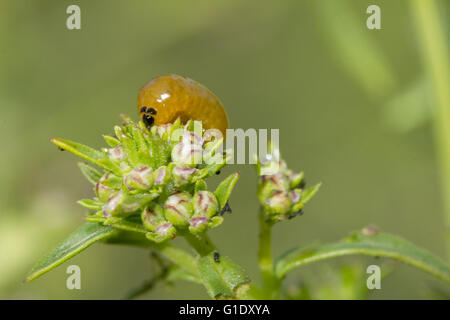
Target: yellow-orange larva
{"points": [[166, 98]]}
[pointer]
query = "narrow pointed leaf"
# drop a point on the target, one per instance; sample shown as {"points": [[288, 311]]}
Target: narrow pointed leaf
{"points": [[380, 245], [120, 223], [111, 141], [79, 240], [92, 174], [224, 189], [80, 150], [110, 166], [90, 204], [309, 193]]}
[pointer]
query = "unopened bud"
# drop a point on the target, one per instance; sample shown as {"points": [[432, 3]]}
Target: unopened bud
{"points": [[279, 203], [182, 175], [205, 204], [153, 220], [192, 137], [161, 176], [271, 184], [140, 179], [112, 206], [153, 217], [295, 179], [187, 153], [198, 225], [116, 153], [297, 204], [102, 189], [178, 209]]}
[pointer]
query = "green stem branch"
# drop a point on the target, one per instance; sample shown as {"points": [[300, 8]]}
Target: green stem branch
{"points": [[201, 244], [270, 283], [436, 58]]}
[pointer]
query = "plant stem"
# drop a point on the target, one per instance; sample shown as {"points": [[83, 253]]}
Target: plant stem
{"points": [[270, 283], [179, 257], [201, 244], [435, 55], [176, 255]]}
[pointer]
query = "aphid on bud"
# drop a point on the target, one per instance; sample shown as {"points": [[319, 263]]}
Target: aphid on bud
{"points": [[216, 257], [226, 209]]}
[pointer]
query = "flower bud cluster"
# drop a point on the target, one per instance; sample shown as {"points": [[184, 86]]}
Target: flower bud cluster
{"points": [[281, 191], [157, 174]]}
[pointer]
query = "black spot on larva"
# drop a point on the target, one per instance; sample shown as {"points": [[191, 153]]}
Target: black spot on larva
{"points": [[151, 111], [148, 120], [216, 257], [143, 109]]}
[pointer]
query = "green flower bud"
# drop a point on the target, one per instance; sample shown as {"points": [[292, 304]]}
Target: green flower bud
{"points": [[153, 220], [163, 232], [161, 176], [112, 206], [278, 204], [153, 217], [178, 209], [192, 137], [139, 179], [198, 225], [270, 184], [116, 153], [295, 179], [205, 204], [103, 189], [297, 204], [186, 153], [134, 202], [182, 175], [161, 130]]}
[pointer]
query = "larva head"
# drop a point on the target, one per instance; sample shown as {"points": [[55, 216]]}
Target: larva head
{"points": [[166, 98]]}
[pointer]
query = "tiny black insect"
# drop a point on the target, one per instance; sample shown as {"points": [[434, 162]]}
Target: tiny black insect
{"points": [[302, 184], [61, 149], [218, 172], [226, 208], [298, 213], [216, 257]]}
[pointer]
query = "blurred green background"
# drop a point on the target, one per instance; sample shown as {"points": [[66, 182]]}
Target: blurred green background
{"points": [[354, 108]]}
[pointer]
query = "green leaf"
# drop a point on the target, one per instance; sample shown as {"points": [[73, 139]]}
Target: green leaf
{"points": [[221, 277], [200, 185], [224, 189], [112, 181], [120, 223], [110, 166], [92, 174], [379, 245], [79, 150], [90, 204], [111, 141], [129, 238], [79, 240], [309, 193], [159, 151]]}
